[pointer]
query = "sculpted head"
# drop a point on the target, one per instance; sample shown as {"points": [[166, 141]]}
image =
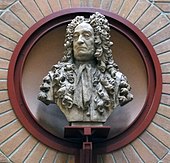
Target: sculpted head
{"points": [[92, 36]]}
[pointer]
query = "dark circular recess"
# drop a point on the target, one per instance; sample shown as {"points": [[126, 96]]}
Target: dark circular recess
{"points": [[147, 53]]}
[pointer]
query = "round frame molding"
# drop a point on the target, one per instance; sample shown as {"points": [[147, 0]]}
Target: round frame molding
{"points": [[128, 30]]}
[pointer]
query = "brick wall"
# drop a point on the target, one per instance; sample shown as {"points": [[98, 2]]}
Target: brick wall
{"points": [[151, 17]]}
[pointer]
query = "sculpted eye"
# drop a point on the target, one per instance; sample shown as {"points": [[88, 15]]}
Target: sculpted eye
{"points": [[75, 36], [87, 35]]}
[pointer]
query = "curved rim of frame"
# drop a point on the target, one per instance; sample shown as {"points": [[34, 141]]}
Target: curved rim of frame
{"points": [[125, 27]]}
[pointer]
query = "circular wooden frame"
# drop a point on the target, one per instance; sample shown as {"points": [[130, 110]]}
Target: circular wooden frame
{"points": [[128, 30]]}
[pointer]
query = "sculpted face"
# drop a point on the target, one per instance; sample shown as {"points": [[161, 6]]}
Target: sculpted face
{"points": [[83, 42]]}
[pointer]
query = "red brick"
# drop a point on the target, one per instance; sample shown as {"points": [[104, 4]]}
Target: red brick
{"points": [[144, 152], [22, 13], [165, 99], [158, 1], [15, 141], [5, 106], [96, 3], [158, 23], [119, 156], [165, 57], [65, 4], [74, 3], [162, 121], [61, 157], [126, 8], [168, 15], [159, 149], [84, 3], [116, 4], [160, 134], [160, 35], [138, 10], [8, 130], [106, 4], [3, 158], [164, 6], [147, 17], [3, 74], [3, 95], [162, 47], [164, 110], [24, 150], [131, 154], [71, 159], [166, 78], [4, 53], [5, 3], [36, 154], [44, 7], [166, 88], [165, 67], [3, 84], [166, 159], [49, 156], [4, 64], [6, 43], [32, 9], [108, 158], [9, 32], [14, 22], [7, 118], [55, 5]]}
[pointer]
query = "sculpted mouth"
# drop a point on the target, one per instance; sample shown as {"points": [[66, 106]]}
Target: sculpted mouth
{"points": [[81, 48]]}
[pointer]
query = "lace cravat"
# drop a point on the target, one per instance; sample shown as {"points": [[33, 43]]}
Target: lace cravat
{"points": [[83, 86]]}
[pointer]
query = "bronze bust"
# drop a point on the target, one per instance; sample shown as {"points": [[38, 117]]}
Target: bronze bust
{"points": [[86, 84]]}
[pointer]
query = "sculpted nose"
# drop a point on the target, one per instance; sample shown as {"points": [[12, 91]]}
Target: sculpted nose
{"points": [[80, 40]]}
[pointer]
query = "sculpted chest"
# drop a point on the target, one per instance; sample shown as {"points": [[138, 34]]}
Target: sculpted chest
{"points": [[83, 93]]}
